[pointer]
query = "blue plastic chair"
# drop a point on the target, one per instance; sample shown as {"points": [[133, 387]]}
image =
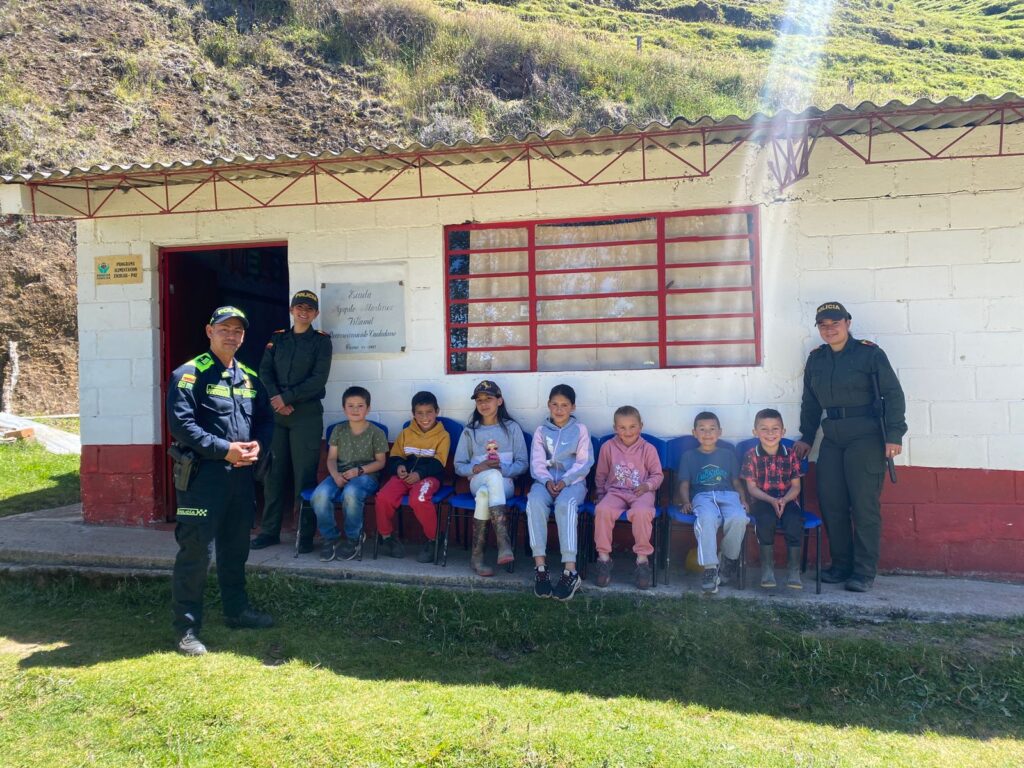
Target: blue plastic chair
{"points": [[677, 446], [659, 509], [586, 510], [811, 521], [454, 430], [307, 493], [466, 504]]}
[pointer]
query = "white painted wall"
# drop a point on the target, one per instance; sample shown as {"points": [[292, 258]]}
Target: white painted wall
{"points": [[927, 257]]}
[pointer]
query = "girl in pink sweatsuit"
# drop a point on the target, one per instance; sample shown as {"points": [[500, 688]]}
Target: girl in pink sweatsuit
{"points": [[628, 477]]}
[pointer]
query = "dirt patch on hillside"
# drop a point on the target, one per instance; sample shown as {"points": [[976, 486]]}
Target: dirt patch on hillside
{"points": [[38, 311], [107, 81]]}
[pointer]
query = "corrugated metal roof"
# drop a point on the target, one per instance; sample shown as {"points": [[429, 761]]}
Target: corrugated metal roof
{"points": [[923, 114]]}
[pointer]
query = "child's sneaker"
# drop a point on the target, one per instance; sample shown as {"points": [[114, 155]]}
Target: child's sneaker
{"points": [[729, 571], [603, 573], [329, 551], [709, 581], [566, 586], [348, 549], [426, 554], [542, 583], [392, 547], [642, 577]]}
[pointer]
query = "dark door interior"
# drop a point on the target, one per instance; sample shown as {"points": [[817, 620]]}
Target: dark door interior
{"points": [[196, 281]]}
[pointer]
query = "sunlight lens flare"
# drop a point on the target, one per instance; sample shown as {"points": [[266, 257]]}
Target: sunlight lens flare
{"points": [[791, 78]]}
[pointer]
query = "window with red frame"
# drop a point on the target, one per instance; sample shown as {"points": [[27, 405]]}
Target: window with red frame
{"points": [[659, 290]]}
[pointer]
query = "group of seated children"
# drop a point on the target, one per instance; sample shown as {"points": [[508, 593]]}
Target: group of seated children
{"points": [[492, 453]]}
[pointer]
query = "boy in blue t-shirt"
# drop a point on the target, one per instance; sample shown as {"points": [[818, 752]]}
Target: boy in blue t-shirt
{"points": [[710, 487]]}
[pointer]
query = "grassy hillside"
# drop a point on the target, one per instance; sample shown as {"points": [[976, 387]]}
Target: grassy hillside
{"points": [[82, 82]]}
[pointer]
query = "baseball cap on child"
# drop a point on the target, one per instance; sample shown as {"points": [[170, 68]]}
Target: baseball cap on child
{"points": [[486, 387]]}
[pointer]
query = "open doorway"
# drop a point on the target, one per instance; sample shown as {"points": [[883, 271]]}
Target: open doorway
{"points": [[196, 280]]}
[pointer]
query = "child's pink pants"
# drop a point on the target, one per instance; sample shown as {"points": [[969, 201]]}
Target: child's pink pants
{"points": [[640, 513]]}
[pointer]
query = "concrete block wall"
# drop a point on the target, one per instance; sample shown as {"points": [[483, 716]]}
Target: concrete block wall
{"points": [[937, 279]]}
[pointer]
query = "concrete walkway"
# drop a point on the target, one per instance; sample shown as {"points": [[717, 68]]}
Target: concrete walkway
{"points": [[57, 539]]}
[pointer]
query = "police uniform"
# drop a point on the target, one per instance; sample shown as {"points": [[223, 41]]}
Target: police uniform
{"points": [[851, 459], [208, 408], [294, 366]]}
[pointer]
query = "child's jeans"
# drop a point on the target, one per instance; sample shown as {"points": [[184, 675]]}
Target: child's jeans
{"points": [[421, 495], [352, 498], [640, 513], [714, 510], [498, 488], [766, 521], [566, 504]]}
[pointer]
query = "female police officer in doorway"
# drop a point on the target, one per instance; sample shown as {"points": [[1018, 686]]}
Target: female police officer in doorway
{"points": [[839, 380]]}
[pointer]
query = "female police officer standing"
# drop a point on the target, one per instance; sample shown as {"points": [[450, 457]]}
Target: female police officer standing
{"points": [[839, 380], [219, 412]]}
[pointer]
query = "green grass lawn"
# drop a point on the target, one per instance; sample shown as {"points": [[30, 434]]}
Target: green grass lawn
{"points": [[361, 675], [33, 478]]}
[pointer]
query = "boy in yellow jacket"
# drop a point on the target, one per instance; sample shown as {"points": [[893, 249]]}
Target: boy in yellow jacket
{"points": [[417, 460]]}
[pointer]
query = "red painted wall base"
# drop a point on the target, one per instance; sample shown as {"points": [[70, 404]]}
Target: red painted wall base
{"points": [[934, 520], [962, 521], [123, 484]]}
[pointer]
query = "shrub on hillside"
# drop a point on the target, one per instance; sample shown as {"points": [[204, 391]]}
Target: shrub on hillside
{"points": [[756, 41], [405, 29], [737, 16], [959, 49]]}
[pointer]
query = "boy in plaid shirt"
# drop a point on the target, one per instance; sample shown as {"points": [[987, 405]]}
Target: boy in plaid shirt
{"points": [[772, 473]]}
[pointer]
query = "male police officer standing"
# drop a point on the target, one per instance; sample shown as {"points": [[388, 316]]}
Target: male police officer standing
{"points": [[294, 370], [219, 411], [839, 380]]}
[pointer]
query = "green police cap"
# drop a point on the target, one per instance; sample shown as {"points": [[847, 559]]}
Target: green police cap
{"points": [[831, 310], [220, 314]]}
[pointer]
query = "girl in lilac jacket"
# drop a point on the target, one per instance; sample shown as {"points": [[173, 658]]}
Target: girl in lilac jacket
{"points": [[560, 460]]}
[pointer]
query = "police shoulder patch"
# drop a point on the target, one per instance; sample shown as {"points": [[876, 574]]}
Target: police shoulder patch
{"points": [[324, 333], [203, 362], [867, 343], [280, 330]]}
